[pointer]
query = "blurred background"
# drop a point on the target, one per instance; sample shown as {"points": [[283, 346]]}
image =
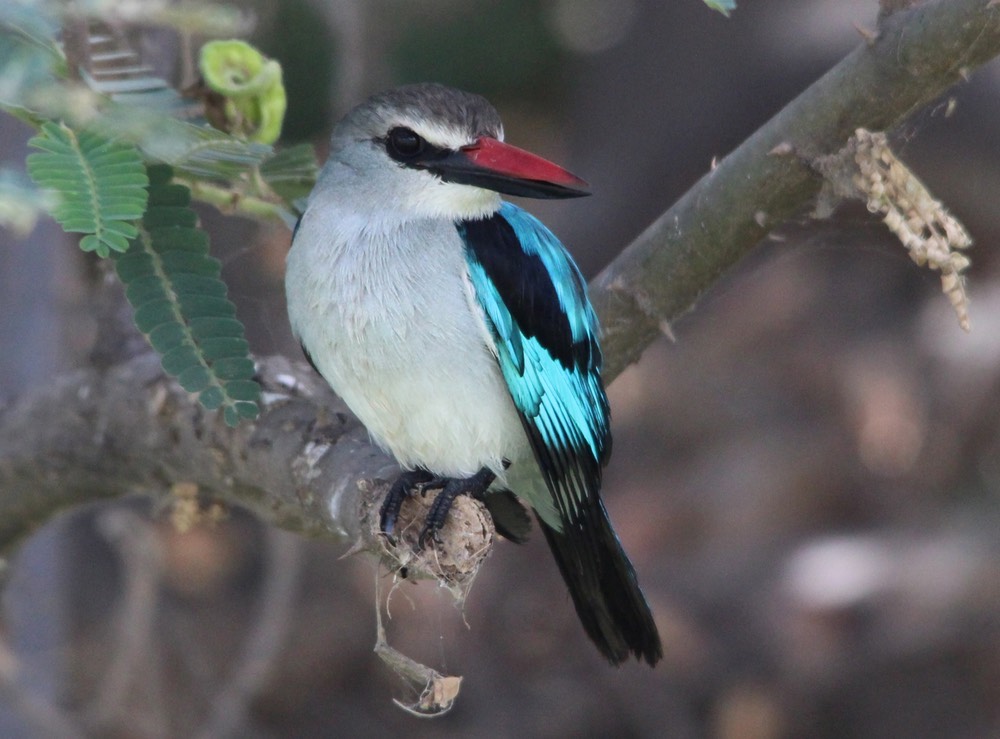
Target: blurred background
{"points": [[807, 477]]}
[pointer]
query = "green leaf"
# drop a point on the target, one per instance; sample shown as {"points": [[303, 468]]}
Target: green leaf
{"points": [[189, 148], [133, 265], [180, 358], [199, 285], [247, 409], [169, 215], [168, 335], [21, 203], [197, 306], [233, 368], [154, 313], [239, 410], [182, 240], [224, 347], [231, 415], [172, 195], [135, 105], [180, 303], [29, 56], [187, 261], [212, 398], [291, 173], [100, 185], [211, 328], [195, 378], [723, 6], [246, 390]]}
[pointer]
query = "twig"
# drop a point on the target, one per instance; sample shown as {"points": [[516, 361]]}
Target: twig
{"points": [[141, 559], [266, 638], [42, 716], [436, 693], [233, 202]]}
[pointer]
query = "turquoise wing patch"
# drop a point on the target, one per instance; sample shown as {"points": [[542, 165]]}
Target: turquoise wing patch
{"points": [[546, 340]]}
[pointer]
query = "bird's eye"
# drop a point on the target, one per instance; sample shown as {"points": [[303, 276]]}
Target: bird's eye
{"points": [[402, 143]]}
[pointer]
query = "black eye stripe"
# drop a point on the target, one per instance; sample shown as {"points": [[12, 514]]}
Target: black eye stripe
{"points": [[410, 149]]}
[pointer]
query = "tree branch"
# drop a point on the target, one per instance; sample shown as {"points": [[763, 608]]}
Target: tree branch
{"points": [[917, 55], [301, 465], [94, 435]]}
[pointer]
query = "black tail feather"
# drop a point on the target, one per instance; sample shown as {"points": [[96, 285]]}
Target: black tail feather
{"points": [[604, 588], [510, 517]]}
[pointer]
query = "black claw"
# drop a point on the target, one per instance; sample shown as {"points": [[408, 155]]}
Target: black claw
{"points": [[400, 491], [439, 510], [475, 486], [434, 483]]}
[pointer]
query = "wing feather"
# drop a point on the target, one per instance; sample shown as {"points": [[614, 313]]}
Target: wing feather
{"points": [[545, 330]]}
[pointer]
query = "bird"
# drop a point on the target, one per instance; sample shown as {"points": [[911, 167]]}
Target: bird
{"points": [[458, 329]]}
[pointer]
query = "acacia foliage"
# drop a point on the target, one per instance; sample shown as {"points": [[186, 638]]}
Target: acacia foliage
{"points": [[118, 154]]}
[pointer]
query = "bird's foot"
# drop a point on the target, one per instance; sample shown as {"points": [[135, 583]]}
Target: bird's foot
{"points": [[407, 484], [474, 486]]}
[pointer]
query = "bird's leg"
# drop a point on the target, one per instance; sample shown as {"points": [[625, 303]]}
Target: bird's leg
{"points": [[475, 486], [407, 483]]}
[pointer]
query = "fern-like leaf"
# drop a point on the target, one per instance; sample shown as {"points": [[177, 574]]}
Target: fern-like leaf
{"points": [[28, 52], [180, 303], [145, 109], [100, 183], [291, 173], [193, 150]]}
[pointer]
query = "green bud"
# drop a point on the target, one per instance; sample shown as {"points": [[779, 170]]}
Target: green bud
{"points": [[251, 85]]}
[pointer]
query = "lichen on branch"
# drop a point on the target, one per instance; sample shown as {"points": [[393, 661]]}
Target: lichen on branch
{"points": [[867, 169]]}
